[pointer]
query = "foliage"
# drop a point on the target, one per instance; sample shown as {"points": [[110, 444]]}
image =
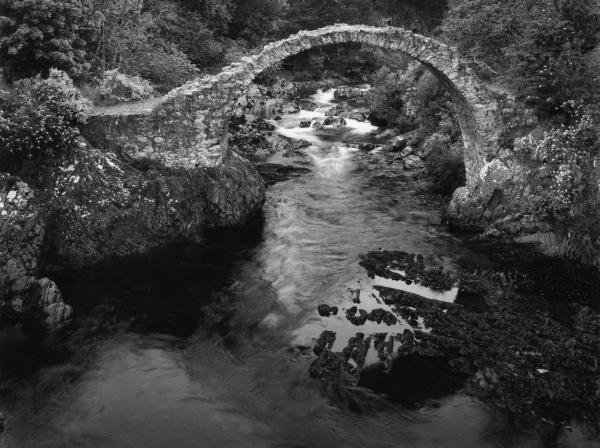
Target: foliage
{"points": [[192, 32], [540, 44], [387, 97], [132, 41], [562, 173], [254, 20], [116, 87], [167, 66], [36, 35], [445, 163], [38, 118], [218, 13]]}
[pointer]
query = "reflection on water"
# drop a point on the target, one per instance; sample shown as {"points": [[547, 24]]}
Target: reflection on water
{"points": [[245, 386]]}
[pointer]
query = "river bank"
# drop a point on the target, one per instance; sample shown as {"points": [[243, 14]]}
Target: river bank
{"points": [[216, 343]]}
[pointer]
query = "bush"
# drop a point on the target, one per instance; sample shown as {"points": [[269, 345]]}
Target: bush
{"points": [[166, 67], [387, 97], [38, 119], [444, 163], [116, 87], [561, 173]]}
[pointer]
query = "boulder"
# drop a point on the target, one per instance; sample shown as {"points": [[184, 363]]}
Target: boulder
{"points": [[388, 133], [408, 151], [305, 124], [337, 122], [22, 233], [326, 310], [106, 207], [263, 125], [334, 111], [290, 108], [358, 116], [307, 105], [367, 146], [397, 144], [317, 125], [273, 173], [96, 206], [348, 93], [413, 163]]}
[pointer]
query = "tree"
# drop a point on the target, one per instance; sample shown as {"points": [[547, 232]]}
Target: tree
{"points": [[36, 35], [139, 38], [254, 20], [540, 44]]}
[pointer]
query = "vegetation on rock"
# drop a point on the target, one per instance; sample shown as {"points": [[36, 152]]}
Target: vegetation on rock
{"points": [[38, 119]]}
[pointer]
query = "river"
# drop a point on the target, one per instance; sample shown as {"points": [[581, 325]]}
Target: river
{"points": [[143, 369]]}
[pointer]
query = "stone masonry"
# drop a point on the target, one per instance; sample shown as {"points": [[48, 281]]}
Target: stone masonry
{"points": [[187, 127]]}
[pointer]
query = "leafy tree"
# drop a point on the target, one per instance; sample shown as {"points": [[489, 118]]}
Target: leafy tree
{"points": [[133, 40], [312, 14], [254, 20], [188, 30], [36, 35], [417, 15], [539, 44], [217, 13]]}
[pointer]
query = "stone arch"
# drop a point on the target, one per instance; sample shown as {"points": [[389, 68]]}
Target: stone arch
{"points": [[188, 126]]}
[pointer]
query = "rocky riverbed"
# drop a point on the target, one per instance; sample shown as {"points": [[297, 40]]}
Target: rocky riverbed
{"points": [[507, 337], [346, 315]]}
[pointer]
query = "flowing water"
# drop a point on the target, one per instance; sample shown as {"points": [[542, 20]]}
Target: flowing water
{"points": [[141, 369]]}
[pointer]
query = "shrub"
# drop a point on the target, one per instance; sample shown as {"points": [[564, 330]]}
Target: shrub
{"points": [[561, 173], [116, 87], [387, 96], [444, 163], [38, 119], [167, 67]]}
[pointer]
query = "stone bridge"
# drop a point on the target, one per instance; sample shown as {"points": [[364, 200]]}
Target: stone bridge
{"points": [[188, 127]]}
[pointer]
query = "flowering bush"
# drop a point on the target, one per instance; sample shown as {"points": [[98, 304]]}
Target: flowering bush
{"points": [[116, 87], [561, 169], [38, 118]]}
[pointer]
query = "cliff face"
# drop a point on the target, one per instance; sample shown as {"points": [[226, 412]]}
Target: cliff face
{"points": [[97, 205]]}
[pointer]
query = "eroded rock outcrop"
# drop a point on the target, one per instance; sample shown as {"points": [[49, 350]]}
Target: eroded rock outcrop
{"points": [[95, 206]]}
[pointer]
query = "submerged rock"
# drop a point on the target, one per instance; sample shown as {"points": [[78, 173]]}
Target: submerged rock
{"points": [[326, 310], [273, 173], [356, 316], [413, 163], [506, 334]]}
